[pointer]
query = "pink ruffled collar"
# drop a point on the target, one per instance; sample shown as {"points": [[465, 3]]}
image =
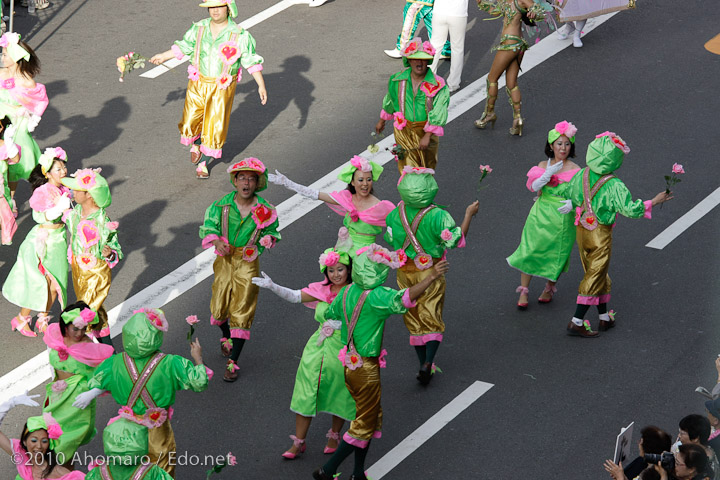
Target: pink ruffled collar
{"points": [[374, 215]]}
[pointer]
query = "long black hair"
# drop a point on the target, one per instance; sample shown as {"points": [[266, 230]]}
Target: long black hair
{"points": [[29, 68], [50, 458], [37, 177]]}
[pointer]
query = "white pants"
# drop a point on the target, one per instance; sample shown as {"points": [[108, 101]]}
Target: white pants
{"points": [[441, 26]]}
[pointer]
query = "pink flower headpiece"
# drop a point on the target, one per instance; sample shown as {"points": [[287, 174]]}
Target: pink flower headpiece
{"points": [[416, 170], [156, 317], [329, 259], [250, 163], [382, 255], [86, 177], [428, 48], [85, 318], [54, 430], [566, 128], [9, 38], [411, 47], [361, 163], [619, 142]]}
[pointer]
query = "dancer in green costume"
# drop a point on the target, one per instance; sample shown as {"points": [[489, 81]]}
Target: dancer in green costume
{"points": [[23, 100], [33, 453], [363, 213], [126, 443], [549, 234], [144, 381], [320, 380], [39, 275], [74, 357]]}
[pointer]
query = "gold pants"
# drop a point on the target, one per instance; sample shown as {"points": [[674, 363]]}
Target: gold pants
{"points": [[409, 139], [595, 249], [207, 113], [363, 383], [233, 294], [92, 287], [161, 442], [426, 317]]}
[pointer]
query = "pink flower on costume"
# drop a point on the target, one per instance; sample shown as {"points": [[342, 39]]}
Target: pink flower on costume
{"points": [[343, 233], [57, 152], [677, 168], [156, 317], [193, 73], [85, 318], [59, 386], [566, 128], [267, 241], [62, 353], [400, 121], [411, 47], [223, 81], [379, 254], [87, 232], [381, 360], [619, 142], [8, 84], [112, 226], [327, 331], [250, 254], [416, 170], [85, 177], [428, 48], [229, 53], [192, 319], [485, 168], [342, 353], [401, 256], [263, 216], [232, 366], [446, 235], [361, 163], [354, 215], [431, 90], [9, 37], [86, 262], [250, 163], [231, 460]]}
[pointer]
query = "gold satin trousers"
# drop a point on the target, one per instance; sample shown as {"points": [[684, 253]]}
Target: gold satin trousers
{"points": [[426, 316], [92, 286], [161, 442], [363, 383], [595, 250], [409, 139], [233, 294]]}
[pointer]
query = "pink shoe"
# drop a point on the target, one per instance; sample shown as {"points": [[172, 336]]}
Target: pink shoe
{"points": [[332, 436], [551, 289], [298, 443], [522, 291], [20, 324], [42, 322]]}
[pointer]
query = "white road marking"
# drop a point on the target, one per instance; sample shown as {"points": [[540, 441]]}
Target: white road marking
{"points": [[246, 24], [415, 440], [686, 221], [36, 371]]}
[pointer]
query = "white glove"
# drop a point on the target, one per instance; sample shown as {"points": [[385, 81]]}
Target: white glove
{"points": [[22, 399], [84, 399], [566, 208], [61, 204], [10, 131], [545, 177], [33, 122], [292, 296], [278, 178]]}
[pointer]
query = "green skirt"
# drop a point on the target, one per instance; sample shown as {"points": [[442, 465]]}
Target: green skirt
{"points": [[26, 285], [320, 380], [546, 241], [78, 425]]}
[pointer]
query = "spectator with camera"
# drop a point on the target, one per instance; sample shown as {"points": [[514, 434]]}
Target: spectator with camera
{"points": [[653, 440], [689, 463], [695, 429]]}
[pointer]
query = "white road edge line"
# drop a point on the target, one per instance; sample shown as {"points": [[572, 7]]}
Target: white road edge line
{"points": [[425, 431], [36, 370], [246, 24], [686, 221]]}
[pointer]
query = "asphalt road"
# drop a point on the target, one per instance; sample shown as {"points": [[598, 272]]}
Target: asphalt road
{"points": [[557, 402]]}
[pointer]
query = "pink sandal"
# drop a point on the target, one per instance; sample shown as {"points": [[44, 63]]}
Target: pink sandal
{"points": [[19, 323], [551, 289]]}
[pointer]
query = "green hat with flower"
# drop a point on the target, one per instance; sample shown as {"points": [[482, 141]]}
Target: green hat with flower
{"points": [[605, 154], [417, 186], [80, 317], [373, 263], [563, 128], [89, 180], [49, 424], [232, 8], [142, 335], [339, 253], [362, 164], [250, 164], [416, 49], [125, 441]]}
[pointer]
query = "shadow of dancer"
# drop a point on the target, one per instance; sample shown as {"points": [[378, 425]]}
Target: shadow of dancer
{"points": [[90, 135], [137, 235], [250, 118]]}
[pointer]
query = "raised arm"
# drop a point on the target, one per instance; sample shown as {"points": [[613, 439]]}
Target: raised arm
{"points": [[278, 178], [287, 294], [24, 399], [439, 269]]}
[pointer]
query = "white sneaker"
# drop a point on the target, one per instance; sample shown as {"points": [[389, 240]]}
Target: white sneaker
{"points": [[316, 3], [453, 88], [577, 43], [394, 53], [564, 31]]}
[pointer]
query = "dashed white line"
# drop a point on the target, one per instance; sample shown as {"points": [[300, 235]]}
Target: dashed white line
{"points": [[686, 221]]}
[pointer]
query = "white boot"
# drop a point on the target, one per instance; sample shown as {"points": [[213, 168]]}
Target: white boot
{"points": [[316, 3], [394, 53], [565, 30], [577, 43]]}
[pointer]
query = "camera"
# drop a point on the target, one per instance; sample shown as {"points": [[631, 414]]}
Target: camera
{"points": [[666, 460]]}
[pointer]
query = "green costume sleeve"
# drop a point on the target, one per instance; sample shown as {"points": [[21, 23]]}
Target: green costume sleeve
{"points": [[444, 221], [334, 312], [103, 375], [211, 223], [439, 113], [271, 230], [247, 46], [188, 376], [187, 44], [574, 190], [390, 101], [387, 301], [110, 238], [622, 201]]}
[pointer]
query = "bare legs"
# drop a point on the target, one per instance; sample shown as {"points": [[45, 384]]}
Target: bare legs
{"points": [[302, 425], [546, 295], [508, 62]]}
